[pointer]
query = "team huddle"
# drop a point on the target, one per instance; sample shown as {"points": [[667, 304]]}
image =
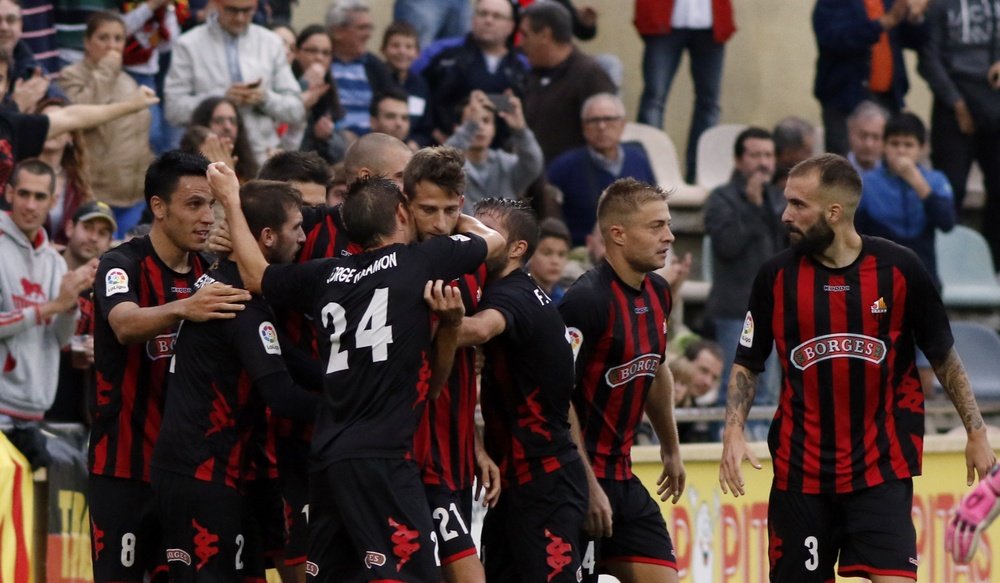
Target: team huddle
{"points": [[307, 400]]}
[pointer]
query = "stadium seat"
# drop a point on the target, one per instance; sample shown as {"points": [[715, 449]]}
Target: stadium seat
{"points": [[978, 346], [715, 154], [965, 267], [666, 166]]}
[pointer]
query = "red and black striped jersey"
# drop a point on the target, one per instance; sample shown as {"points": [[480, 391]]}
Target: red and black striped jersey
{"points": [[443, 445], [127, 408], [214, 427], [851, 410], [619, 336], [527, 383]]}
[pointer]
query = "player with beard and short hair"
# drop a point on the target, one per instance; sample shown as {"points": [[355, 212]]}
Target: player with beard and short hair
{"points": [[845, 313], [535, 530], [616, 315], [144, 289], [368, 511], [223, 373]]}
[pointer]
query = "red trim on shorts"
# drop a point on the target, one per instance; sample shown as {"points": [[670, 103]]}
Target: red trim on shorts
{"points": [[295, 561], [457, 556], [254, 580], [864, 570], [645, 560]]}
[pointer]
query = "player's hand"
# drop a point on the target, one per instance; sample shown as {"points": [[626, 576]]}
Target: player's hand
{"points": [[223, 183], [215, 301], [487, 479], [979, 456], [734, 451], [599, 515], [972, 516], [219, 241], [446, 303], [670, 484]]}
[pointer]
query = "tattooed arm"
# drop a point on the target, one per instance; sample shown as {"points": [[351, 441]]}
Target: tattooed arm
{"points": [[979, 457], [742, 388]]}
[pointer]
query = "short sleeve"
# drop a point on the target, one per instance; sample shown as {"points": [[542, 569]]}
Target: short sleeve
{"points": [[256, 341], [503, 299], [757, 337], [296, 285], [585, 322], [117, 281], [452, 257], [29, 133]]}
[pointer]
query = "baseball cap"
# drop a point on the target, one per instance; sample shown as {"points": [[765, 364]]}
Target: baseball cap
{"points": [[95, 210]]}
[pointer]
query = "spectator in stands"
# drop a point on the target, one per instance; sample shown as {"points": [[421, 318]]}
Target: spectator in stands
{"points": [[493, 172], [584, 18], [400, 47], [561, 79], [861, 57], [583, 173], [287, 35], [306, 171], [433, 19], [225, 120], [23, 136], [119, 150], [483, 61], [38, 298], [699, 368], [359, 74], [88, 235], [549, 259], [743, 222], [28, 82], [390, 114], [67, 155], [903, 200], [246, 62], [794, 141], [38, 30], [961, 63], [313, 57], [668, 29], [865, 127]]}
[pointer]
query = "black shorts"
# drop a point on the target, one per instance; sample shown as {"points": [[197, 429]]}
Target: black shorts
{"points": [[293, 472], [871, 530], [638, 531], [203, 529], [369, 520], [535, 531], [452, 514], [265, 526], [124, 529]]}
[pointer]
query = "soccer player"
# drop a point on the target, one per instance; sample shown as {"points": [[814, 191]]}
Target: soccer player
{"points": [[845, 313], [368, 512], [446, 444], [535, 530], [144, 288], [616, 315], [223, 373]]}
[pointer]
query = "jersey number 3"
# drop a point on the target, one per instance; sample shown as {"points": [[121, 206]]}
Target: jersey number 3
{"points": [[371, 332]]}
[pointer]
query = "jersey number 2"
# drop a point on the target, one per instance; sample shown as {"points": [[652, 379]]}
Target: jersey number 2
{"points": [[372, 330]]}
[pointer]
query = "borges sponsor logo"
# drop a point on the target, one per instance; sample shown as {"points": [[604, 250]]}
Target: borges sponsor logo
{"points": [[838, 346], [374, 559], [161, 347], [178, 555], [644, 365]]}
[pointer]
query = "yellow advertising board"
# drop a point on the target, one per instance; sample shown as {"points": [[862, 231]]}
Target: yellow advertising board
{"points": [[721, 539]]}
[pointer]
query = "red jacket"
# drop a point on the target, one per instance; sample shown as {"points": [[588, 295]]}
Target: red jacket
{"points": [[652, 17]]}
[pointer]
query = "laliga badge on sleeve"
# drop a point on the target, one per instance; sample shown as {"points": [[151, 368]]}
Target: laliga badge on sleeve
{"points": [[269, 338], [746, 337], [115, 282]]}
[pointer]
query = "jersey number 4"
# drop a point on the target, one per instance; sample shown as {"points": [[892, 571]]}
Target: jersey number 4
{"points": [[371, 332]]}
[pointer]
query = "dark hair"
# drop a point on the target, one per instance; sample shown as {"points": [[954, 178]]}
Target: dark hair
{"points": [[193, 138], [308, 32], [835, 173], [400, 28], [369, 209], [624, 197], [296, 166], [790, 134], [905, 124], [95, 20], [274, 26], [166, 171], [553, 16], [441, 165], [266, 203], [5, 59], [246, 161], [389, 92], [34, 166], [751, 133], [517, 217], [556, 229], [692, 350]]}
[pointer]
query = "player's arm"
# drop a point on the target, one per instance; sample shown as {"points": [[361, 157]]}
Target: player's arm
{"points": [[495, 243], [287, 399], [445, 302], [979, 456], [599, 516], [660, 410], [226, 189], [487, 474], [481, 327], [741, 391], [132, 323]]}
